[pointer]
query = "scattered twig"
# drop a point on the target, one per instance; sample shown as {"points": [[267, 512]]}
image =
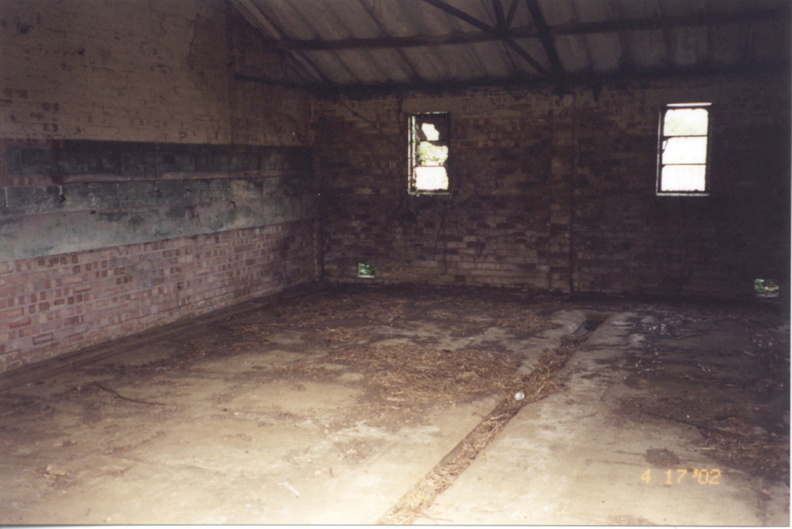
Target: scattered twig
{"points": [[117, 394], [292, 489], [537, 385]]}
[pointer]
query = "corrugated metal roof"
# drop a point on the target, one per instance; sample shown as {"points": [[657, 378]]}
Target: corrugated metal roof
{"points": [[350, 43]]}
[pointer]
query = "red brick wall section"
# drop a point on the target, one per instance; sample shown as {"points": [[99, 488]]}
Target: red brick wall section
{"points": [[52, 305]]}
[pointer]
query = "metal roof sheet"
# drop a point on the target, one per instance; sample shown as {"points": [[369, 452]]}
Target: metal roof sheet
{"points": [[349, 43]]}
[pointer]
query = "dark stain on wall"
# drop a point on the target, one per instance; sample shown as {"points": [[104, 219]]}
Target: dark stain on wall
{"points": [[65, 196], [77, 159]]}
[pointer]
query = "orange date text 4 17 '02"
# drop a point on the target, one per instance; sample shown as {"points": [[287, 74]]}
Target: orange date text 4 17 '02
{"points": [[679, 476]]}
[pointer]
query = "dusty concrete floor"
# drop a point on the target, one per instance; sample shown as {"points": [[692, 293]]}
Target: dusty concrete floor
{"points": [[395, 405]]}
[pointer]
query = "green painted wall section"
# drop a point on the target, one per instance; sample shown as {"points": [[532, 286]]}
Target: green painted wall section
{"points": [[104, 194]]}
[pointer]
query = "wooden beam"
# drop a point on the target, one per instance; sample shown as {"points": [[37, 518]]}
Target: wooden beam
{"points": [[490, 35], [402, 55], [501, 35], [582, 79], [260, 79], [667, 39], [626, 61], [500, 15], [512, 12], [257, 19], [546, 36], [696, 19], [383, 42], [587, 45], [525, 55], [458, 13]]}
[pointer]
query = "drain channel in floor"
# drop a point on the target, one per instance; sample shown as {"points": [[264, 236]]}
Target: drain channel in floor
{"points": [[540, 383]]}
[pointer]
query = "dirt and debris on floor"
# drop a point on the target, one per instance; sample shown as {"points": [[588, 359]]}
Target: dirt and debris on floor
{"points": [[539, 383], [332, 404], [293, 408], [595, 451], [726, 374]]}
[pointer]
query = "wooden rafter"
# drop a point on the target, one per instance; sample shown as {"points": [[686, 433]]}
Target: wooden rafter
{"points": [[587, 47], [512, 12], [697, 19], [257, 19], [667, 40], [548, 43], [402, 55], [490, 35], [500, 15], [500, 35], [586, 79], [499, 30], [451, 10], [626, 61]]}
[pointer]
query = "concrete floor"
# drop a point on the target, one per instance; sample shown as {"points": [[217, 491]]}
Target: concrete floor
{"points": [[335, 405]]}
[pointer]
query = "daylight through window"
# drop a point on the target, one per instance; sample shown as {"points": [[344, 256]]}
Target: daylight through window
{"points": [[429, 144], [683, 149]]}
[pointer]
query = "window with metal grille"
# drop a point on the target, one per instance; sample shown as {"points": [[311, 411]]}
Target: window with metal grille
{"points": [[429, 147], [683, 150]]}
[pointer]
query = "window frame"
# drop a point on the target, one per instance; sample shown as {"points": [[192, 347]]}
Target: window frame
{"points": [[413, 142], [662, 137]]}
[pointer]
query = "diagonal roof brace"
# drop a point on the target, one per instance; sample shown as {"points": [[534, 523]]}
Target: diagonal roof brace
{"points": [[402, 55], [548, 42], [502, 35], [512, 11], [500, 15], [254, 15], [618, 26]]}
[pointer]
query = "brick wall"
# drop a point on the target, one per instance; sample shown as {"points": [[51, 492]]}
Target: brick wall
{"points": [[141, 180], [558, 192], [128, 70], [626, 239], [500, 225], [57, 304], [146, 177]]}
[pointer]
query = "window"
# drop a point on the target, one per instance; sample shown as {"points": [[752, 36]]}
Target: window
{"points": [[683, 150], [366, 270], [766, 288], [429, 153]]}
